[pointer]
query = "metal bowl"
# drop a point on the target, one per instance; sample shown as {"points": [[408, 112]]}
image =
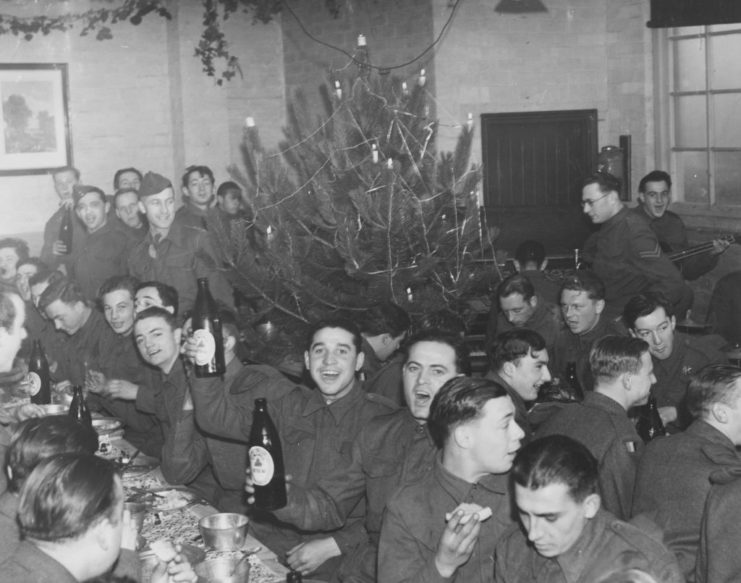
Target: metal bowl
{"points": [[224, 570], [224, 531]]}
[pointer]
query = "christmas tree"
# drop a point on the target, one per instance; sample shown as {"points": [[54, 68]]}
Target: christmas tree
{"points": [[356, 208]]}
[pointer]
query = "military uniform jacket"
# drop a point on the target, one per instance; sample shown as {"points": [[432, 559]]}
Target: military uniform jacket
{"points": [[602, 426], [546, 321], [415, 521], [718, 559], [387, 380], [724, 311], [31, 565], [625, 254], [673, 482], [101, 256], [605, 545], [51, 236]]}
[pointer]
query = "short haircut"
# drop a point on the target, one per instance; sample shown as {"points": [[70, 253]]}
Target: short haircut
{"points": [[127, 283], [512, 345], [121, 192], [459, 400], [49, 276], [8, 311], [72, 169], [612, 356], [585, 281], [227, 187], [385, 318], [444, 320], [167, 293], [67, 494], [42, 437], [117, 176], [712, 384], [605, 181], [157, 312], [644, 305], [455, 341], [35, 261], [654, 176], [516, 284], [61, 289], [202, 170], [530, 252], [82, 190], [20, 246], [335, 322], [557, 459]]}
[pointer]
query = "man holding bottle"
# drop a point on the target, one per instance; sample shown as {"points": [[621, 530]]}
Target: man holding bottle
{"points": [[54, 252]]}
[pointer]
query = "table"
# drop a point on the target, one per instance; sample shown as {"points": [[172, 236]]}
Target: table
{"points": [[265, 565]]}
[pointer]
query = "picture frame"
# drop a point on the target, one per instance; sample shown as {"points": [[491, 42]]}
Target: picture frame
{"points": [[34, 126]]}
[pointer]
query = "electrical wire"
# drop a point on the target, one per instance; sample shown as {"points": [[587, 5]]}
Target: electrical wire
{"points": [[385, 69]]}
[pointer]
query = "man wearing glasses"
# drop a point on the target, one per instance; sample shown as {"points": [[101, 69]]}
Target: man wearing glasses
{"points": [[655, 196], [625, 253]]}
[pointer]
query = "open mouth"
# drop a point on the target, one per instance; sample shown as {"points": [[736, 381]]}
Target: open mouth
{"points": [[329, 376], [153, 353], [422, 397]]}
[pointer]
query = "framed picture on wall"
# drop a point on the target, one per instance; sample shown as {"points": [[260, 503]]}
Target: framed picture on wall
{"points": [[35, 134]]}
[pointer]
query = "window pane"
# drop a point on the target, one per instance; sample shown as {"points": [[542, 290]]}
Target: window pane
{"points": [[724, 27], [726, 62], [728, 178], [689, 64], [691, 122], [727, 120], [683, 30], [692, 171]]}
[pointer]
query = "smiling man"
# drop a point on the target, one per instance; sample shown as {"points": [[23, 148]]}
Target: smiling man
{"points": [[103, 254], [565, 534], [625, 253], [676, 356], [198, 195], [12, 253], [444, 525], [53, 252]]}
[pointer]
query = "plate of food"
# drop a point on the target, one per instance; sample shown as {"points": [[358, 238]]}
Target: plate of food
{"points": [[165, 499], [105, 425]]}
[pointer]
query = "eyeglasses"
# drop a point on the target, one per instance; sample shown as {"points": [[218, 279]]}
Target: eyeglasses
{"points": [[586, 203]]}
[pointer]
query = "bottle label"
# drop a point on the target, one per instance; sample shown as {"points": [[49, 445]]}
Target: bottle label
{"points": [[261, 465], [205, 347], [34, 384]]}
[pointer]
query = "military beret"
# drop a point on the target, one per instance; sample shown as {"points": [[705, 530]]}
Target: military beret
{"points": [[153, 183]]}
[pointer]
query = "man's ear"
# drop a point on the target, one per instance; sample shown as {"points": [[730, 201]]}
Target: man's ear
{"points": [[544, 264], [509, 369], [359, 361], [178, 333], [306, 359], [591, 505], [462, 436], [185, 192], [599, 306], [229, 342], [107, 207]]}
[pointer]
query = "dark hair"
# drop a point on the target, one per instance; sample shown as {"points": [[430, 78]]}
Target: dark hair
{"points": [[516, 284], [119, 282], [606, 182], [157, 312], [202, 170], [512, 345], [46, 275], [121, 192], [712, 384], [643, 305], [42, 437], [20, 246], [81, 190], [585, 281], [385, 318], [455, 341], [556, 459], [612, 356], [530, 252], [654, 176], [8, 311], [445, 321], [459, 400], [335, 322], [167, 293], [61, 289], [72, 169], [40, 265], [67, 494], [226, 187], [117, 177]]}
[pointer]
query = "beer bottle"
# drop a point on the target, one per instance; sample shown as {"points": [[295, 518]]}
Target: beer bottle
{"points": [[294, 577], [38, 375], [209, 360], [78, 407], [266, 460], [649, 424], [572, 382], [65, 230]]}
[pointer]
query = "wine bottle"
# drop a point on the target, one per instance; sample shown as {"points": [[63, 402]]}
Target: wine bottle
{"points": [[649, 424], [78, 407], [38, 375], [209, 359], [65, 230], [266, 460], [572, 382]]}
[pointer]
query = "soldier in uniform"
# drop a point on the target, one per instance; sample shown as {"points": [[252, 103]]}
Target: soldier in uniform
{"points": [[566, 535], [623, 374], [673, 478]]}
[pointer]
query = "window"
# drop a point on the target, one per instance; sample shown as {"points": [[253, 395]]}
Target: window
{"points": [[699, 102]]}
